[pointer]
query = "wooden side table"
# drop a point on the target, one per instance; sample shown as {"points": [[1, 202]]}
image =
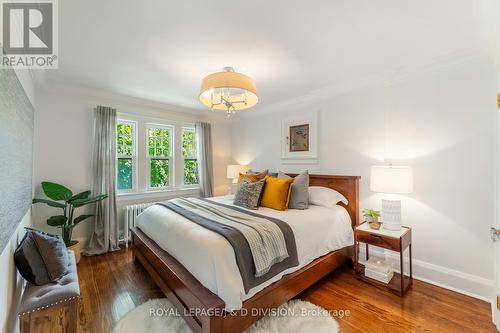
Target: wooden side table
{"points": [[397, 241]]}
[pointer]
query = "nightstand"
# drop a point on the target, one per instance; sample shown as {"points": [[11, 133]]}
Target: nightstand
{"points": [[397, 241]]}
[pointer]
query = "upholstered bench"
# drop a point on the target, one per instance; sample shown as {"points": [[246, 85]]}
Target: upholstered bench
{"points": [[51, 298]]}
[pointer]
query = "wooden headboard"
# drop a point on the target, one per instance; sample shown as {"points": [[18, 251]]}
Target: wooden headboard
{"points": [[347, 185]]}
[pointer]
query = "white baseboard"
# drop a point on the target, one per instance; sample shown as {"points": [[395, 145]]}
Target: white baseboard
{"points": [[464, 283]]}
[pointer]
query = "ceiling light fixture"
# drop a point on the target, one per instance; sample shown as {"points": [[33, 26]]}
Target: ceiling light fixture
{"points": [[229, 91]]}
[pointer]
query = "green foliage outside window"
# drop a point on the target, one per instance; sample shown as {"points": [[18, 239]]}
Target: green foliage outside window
{"points": [[124, 174], [159, 150], [158, 141], [188, 143], [159, 146], [190, 159], [125, 151], [159, 173], [190, 172]]}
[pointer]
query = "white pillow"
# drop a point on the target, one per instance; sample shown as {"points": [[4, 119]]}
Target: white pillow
{"points": [[324, 196]]}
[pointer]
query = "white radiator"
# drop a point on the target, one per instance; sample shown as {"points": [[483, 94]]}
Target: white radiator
{"points": [[131, 213]]}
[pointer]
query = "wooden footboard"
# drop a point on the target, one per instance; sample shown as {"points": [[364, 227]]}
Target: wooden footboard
{"points": [[202, 309]]}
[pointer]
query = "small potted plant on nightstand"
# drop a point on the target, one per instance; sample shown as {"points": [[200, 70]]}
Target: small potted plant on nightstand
{"points": [[62, 197], [371, 217]]}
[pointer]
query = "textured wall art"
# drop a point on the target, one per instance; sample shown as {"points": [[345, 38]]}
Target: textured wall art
{"points": [[16, 149]]}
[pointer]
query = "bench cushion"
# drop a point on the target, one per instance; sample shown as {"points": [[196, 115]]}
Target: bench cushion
{"points": [[39, 297]]}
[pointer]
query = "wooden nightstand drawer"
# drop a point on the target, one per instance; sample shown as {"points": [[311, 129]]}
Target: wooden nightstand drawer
{"points": [[378, 240]]}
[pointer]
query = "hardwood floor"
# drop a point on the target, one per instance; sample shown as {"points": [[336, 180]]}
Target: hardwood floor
{"points": [[112, 284]]}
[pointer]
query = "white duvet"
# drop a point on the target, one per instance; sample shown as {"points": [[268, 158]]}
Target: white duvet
{"points": [[210, 258]]}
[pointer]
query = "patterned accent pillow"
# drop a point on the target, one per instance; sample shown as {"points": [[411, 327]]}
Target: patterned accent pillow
{"points": [[248, 194], [253, 176]]}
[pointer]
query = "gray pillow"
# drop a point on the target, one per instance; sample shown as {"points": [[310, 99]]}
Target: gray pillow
{"points": [[53, 252], [299, 197], [248, 194], [40, 257]]}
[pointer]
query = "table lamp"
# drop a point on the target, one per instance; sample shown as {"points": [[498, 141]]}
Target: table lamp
{"points": [[234, 170], [389, 179]]}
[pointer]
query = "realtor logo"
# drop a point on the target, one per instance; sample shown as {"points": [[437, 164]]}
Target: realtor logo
{"points": [[29, 34]]}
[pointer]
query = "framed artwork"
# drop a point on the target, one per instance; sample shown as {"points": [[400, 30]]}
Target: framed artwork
{"points": [[299, 139]]}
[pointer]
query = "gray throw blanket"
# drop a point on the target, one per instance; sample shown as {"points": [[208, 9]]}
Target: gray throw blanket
{"points": [[263, 246]]}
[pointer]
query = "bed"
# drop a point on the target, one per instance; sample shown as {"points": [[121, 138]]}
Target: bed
{"points": [[203, 283]]}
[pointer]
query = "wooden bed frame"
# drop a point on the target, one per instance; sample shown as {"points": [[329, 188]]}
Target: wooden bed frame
{"points": [[204, 310]]}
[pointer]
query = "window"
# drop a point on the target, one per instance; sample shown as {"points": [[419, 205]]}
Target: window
{"points": [[155, 156], [159, 152], [189, 154], [125, 153]]}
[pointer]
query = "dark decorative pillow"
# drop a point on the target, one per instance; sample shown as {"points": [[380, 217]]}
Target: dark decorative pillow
{"points": [[41, 258], [249, 194]]}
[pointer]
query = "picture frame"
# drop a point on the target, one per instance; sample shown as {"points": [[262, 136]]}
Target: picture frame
{"points": [[299, 139]]}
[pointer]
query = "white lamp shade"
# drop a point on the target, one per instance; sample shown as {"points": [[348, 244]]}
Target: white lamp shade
{"points": [[391, 179], [233, 170]]}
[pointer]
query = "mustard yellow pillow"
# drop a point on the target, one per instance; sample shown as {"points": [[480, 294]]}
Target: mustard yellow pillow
{"points": [[276, 193]]}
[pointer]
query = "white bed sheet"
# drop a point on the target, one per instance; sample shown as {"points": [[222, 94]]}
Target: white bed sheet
{"points": [[210, 258]]}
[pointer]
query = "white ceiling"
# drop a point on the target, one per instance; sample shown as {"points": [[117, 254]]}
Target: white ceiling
{"points": [[160, 50]]}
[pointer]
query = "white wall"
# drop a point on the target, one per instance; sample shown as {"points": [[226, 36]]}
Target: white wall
{"points": [[440, 122], [64, 134], [11, 283]]}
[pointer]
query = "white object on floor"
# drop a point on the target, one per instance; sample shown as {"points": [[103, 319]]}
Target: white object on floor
{"points": [[209, 257], [382, 277], [378, 264], [295, 316]]}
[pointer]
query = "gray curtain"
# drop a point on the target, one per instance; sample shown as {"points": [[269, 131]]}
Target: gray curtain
{"points": [[105, 228], [204, 133]]}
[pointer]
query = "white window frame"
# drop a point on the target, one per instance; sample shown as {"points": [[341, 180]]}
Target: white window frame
{"points": [[170, 158], [133, 157], [194, 157]]}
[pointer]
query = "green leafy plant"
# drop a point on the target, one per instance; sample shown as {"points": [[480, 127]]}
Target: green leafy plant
{"points": [[62, 197], [367, 212]]}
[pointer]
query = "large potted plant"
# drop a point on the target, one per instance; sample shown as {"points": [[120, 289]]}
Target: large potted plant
{"points": [[62, 197]]}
